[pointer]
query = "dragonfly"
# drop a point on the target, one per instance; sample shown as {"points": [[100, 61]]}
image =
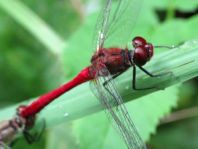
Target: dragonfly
{"points": [[111, 58]]}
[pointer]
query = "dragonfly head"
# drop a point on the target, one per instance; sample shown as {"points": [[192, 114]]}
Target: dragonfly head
{"points": [[143, 51]]}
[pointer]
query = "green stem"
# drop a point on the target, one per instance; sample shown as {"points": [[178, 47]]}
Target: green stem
{"points": [[181, 62], [186, 113]]}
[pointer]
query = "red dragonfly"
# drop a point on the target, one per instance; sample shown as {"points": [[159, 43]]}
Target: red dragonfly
{"points": [[113, 27]]}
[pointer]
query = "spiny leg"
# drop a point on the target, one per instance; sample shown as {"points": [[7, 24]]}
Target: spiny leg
{"points": [[106, 83], [41, 132], [13, 142], [113, 77], [31, 138], [153, 75], [134, 81], [28, 137]]}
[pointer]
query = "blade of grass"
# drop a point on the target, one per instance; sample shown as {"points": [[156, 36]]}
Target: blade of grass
{"points": [[29, 20], [181, 61]]}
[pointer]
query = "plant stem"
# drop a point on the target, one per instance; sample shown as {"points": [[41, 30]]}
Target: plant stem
{"points": [[179, 64], [180, 115]]}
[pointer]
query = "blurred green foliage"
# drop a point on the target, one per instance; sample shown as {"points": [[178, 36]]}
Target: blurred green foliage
{"points": [[27, 67], [58, 14], [25, 63]]}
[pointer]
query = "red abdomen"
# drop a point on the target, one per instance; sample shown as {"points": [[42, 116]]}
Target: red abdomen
{"points": [[45, 99]]}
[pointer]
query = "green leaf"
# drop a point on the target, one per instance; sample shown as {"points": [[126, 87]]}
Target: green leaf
{"points": [[145, 112], [176, 31], [178, 135]]}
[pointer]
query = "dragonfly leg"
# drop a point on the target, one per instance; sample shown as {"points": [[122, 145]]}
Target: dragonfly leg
{"points": [[153, 75], [113, 77], [41, 132], [134, 85], [31, 138], [28, 137], [106, 88], [13, 142]]}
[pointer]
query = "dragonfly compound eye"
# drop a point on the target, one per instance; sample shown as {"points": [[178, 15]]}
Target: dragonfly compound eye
{"points": [[149, 49], [140, 56], [138, 41]]}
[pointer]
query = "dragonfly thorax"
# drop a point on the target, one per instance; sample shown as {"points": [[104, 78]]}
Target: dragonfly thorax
{"points": [[115, 59]]}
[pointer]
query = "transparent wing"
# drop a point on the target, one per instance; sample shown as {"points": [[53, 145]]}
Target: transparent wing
{"points": [[115, 23], [116, 110], [102, 25]]}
